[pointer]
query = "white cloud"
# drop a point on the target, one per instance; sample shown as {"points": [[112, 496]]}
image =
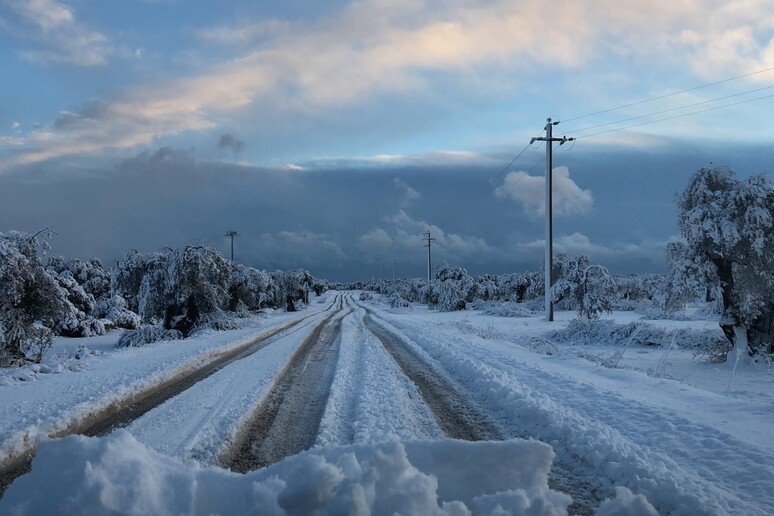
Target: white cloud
{"points": [[407, 193], [292, 167], [530, 193], [15, 125], [375, 241], [59, 36], [408, 234], [579, 244], [376, 46]]}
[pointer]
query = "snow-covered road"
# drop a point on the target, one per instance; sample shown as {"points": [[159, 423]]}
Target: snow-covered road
{"points": [[358, 373], [598, 428]]}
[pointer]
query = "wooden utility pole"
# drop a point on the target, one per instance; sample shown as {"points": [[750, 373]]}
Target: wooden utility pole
{"points": [[232, 234], [429, 241], [549, 258]]}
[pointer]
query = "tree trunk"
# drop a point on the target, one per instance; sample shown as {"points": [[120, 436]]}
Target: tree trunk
{"points": [[11, 354], [729, 322], [761, 333]]}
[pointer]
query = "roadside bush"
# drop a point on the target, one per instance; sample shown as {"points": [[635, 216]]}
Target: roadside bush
{"points": [[146, 335]]}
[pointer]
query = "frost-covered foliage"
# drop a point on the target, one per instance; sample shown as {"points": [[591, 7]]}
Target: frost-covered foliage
{"points": [[31, 300], [607, 332], [249, 288], [451, 289], [192, 287], [146, 335], [584, 287], [196, 283], [728, 227], [396, 301], [639, 291], [177, 290], [120, 315]]}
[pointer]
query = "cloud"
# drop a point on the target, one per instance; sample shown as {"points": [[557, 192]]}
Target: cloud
{"points": [[293, 248], [243, 34], [375, 241], [60, 38], [577, 243], [408, 235], [407, 193], [530, 193], [374, 48], [227, 141]]}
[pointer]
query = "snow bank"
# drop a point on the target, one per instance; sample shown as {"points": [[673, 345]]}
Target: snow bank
{"points": [[117, 474], [626, 503]]}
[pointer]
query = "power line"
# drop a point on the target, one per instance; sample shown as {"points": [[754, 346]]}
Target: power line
{"points": [[520, 154], [500, 173], [672, 109], [509, 187], [668, 95], [714, 108]]}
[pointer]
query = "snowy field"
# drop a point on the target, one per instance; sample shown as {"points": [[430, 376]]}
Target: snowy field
{"points": [[633, 426]]}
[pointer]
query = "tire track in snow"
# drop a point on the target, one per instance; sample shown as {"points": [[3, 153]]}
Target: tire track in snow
{"points": [[454, 412], [287, 420], [461, 418], [121, 413], [684, 468], [370, 396]]}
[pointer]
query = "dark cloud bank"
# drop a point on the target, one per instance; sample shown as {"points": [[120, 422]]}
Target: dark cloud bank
{"points": [[341, 221]]}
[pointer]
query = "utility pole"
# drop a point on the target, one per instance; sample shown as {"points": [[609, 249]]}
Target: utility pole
{"points": [[394, 270], [232, 234], [429, 261], [549, 259]]}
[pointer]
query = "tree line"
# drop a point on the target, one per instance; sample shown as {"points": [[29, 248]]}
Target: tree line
{"points": [[166, 294], [725, 257]]}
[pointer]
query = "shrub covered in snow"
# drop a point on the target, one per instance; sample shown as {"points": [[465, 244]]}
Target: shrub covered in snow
{"points": [[396, 301], [189, 288], [31, 300], [146, 335], [608, 332], [584, 287]]}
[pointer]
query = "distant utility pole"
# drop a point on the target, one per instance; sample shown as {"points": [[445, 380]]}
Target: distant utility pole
{"points": [[232, 234], [429, 240], [394, 270], [382, 275], [549, 139]]}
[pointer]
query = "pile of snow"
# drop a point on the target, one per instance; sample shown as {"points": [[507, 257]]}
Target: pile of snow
{"points": [[117, 474]]}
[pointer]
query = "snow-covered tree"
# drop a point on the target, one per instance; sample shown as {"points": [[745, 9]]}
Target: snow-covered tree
{"points": [[31, 301], [587, 288], [728, 226], [196, 285]]}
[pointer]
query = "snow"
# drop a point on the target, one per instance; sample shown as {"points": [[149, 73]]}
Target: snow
{"points": [[370, 397], [118, 474], [689, 450], [90, 380], [651, 428], [200, 422]]}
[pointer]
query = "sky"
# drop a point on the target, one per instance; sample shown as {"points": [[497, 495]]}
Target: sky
{"points": [[331, 135]]}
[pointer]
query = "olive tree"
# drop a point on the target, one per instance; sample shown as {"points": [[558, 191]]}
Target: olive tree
{"points": [[727, 224]]}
